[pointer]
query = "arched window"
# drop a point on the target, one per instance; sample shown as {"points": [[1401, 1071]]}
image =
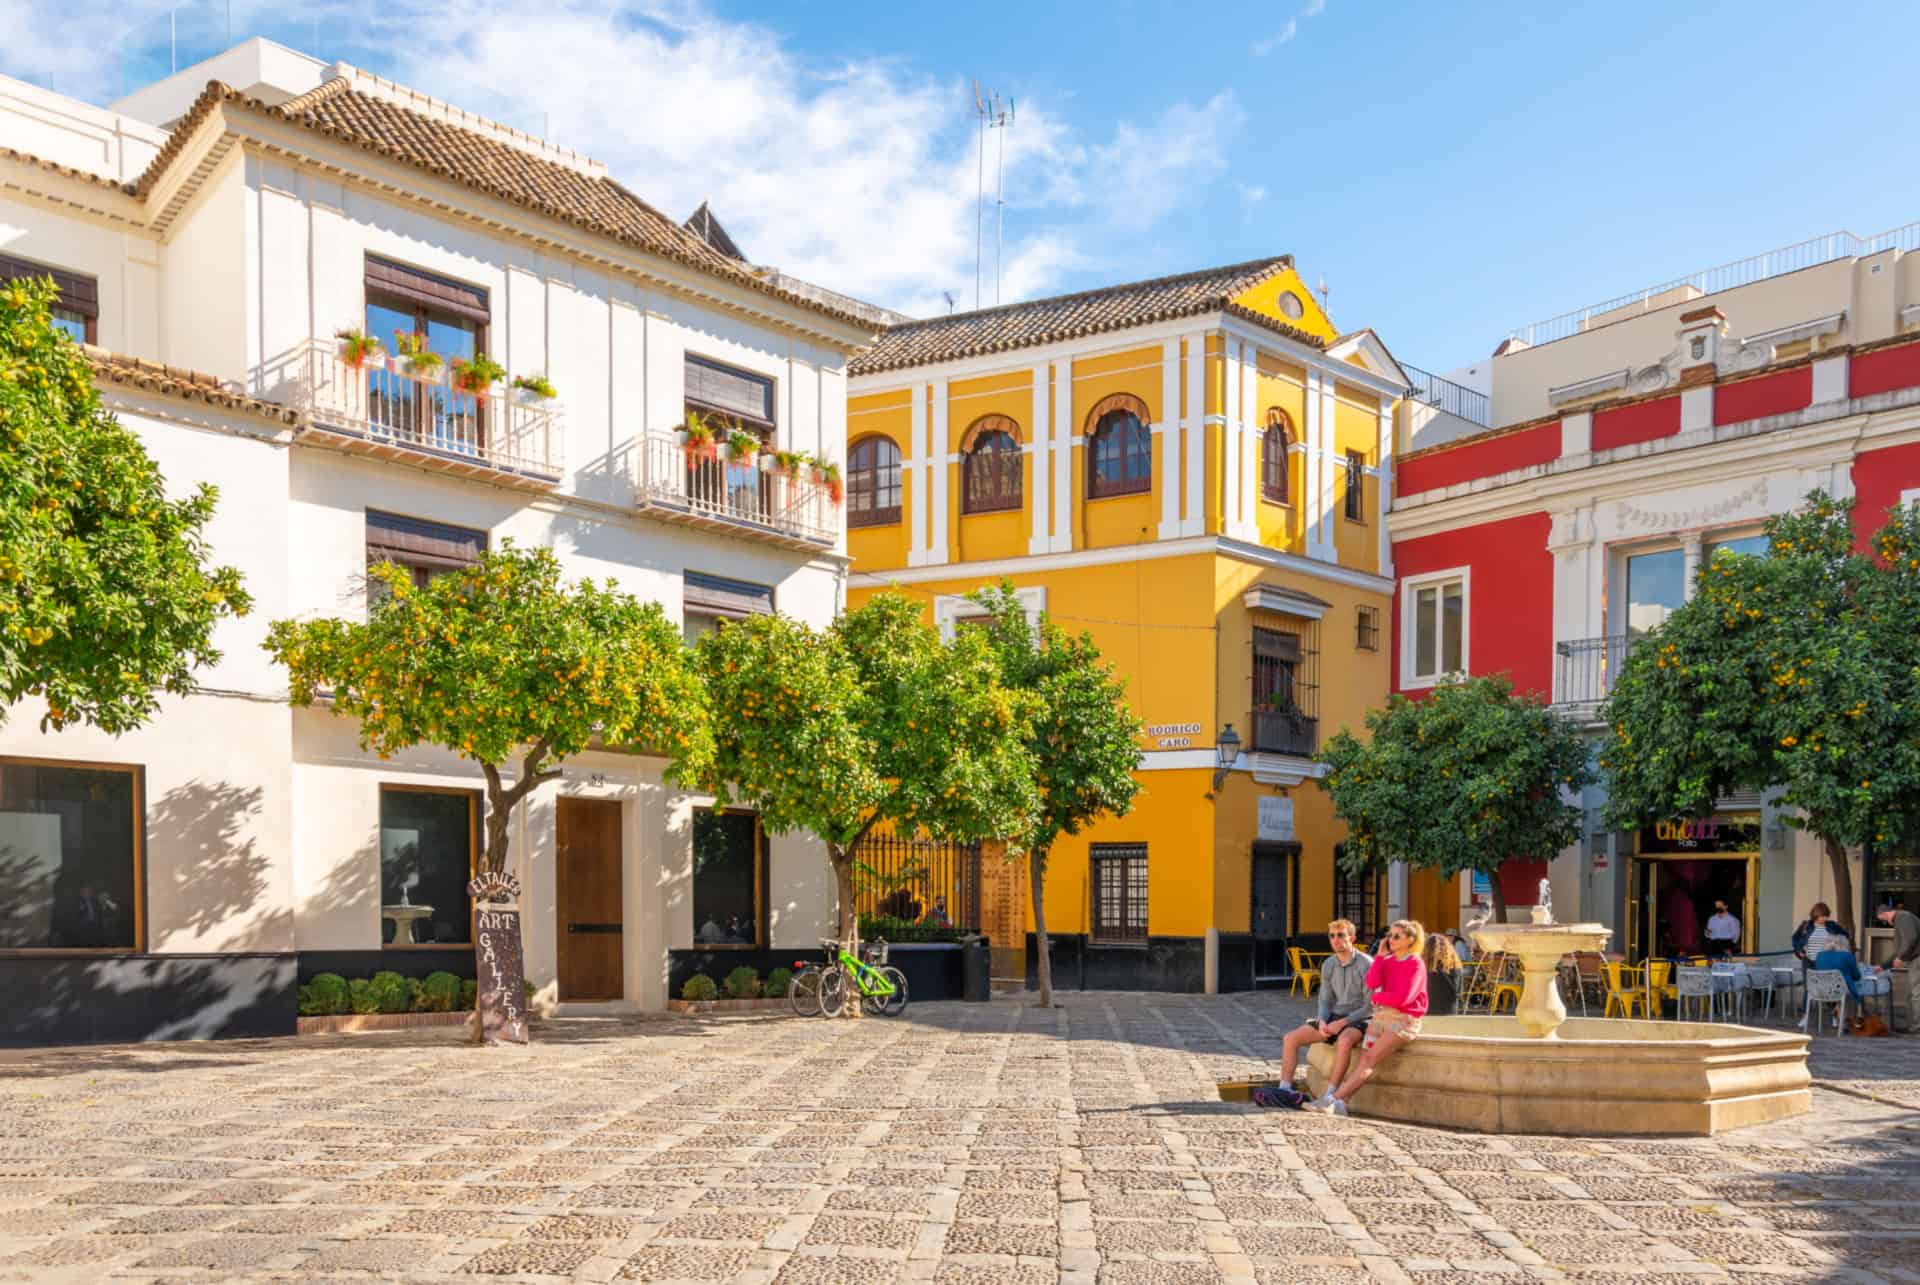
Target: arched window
{"points": [[1120, 448], [873, 482], [990, 466], [1274, 444]]}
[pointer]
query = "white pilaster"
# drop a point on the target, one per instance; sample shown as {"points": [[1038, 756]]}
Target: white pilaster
{"points": [[1310, 464], [1330, 463], [1576, 434], [1230, 524], [1383, 487], [1039, 433], [1194, 425], [1696, 408], [1166, 433], [921, 502], [939, 448], [1251, 426], [1063, 486], [1829, 380]]}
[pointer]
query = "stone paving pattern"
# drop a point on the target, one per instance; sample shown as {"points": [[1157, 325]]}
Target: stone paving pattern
{"points": [[962, 1145]]}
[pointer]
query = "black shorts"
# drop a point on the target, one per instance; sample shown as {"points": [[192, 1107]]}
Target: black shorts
{"points": [[1351, 1025]]}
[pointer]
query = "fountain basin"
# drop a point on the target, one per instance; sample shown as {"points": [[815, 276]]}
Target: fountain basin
{"points": [[1594, 1077]]}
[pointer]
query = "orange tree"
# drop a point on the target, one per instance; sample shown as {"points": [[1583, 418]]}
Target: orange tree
{"points": [[1798, 670], [105, 593], [501, 660], [1084, 740], [872, 721]]}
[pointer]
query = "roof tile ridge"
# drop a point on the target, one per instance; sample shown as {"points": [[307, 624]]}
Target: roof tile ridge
{"points": [[1271, 263], [314, 97]]}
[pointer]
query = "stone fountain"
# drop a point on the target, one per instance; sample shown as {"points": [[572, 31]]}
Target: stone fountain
{"points": [[1539, 1071]]}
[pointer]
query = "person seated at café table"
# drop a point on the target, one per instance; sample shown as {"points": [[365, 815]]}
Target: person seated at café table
{"points": [[1344, 1009], [1443, 975], [1835, 954]]}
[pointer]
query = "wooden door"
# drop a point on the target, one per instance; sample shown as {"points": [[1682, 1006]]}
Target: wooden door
{"points": [[1269, 915], [591, 924]]}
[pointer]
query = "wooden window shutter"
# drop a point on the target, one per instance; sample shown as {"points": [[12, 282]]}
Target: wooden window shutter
{"points": [[77, 293], [392, 537], [415, 286], [729, 391]]}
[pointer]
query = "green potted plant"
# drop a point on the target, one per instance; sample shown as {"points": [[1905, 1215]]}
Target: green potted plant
{"points": [[532, 390], [697, 436], [477, 374], [742, 445], [423, 363], [826, 473], [788, 463], [357, 348]]}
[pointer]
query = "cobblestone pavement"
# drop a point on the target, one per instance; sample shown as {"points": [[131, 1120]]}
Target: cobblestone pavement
{"points": [[961, 1144]]}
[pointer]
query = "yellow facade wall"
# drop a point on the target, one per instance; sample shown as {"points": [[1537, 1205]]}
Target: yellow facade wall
{"points": [[1119, 519], [889, 415], [1265, 300], [1356, 420], [978, 537]]}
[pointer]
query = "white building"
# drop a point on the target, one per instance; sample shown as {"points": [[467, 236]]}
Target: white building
{"points": [[210, 241]]}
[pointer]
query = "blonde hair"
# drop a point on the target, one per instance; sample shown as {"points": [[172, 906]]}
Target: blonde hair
{"points": [[1343, 925], [1412, 928], [1440, 955]]}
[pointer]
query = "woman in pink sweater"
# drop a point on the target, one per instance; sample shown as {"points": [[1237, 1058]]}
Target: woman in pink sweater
{"points": [[1398, 984]]}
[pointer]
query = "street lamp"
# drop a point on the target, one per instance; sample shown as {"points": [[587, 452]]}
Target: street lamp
{"points": [[1226, 748]]}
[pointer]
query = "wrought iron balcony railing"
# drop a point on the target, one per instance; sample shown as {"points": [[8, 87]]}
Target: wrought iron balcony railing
{"points": [[1279, 731], [741, 496], [384, 408], [1585, 670]]}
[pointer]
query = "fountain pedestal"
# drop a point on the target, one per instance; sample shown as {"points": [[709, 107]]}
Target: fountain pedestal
{"points": [[1540, 947]]}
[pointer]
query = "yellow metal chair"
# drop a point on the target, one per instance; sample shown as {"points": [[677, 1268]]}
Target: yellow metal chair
{"points": [[1507, 986], [1623, 989], [1305, 975], [1661, 986]]}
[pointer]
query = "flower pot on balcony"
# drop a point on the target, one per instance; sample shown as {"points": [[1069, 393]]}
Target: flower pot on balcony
{"points": [[528, 397]]}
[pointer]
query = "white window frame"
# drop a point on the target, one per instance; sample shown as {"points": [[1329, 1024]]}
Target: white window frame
{"points": [[1910, 496], [951, 608], [1410, 634]]}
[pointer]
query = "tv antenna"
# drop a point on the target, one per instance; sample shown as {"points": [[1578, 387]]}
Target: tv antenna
{"points": [[992, 112], [1323, 292], [948, 295]]}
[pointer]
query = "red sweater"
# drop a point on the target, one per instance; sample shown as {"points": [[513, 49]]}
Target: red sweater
{"points": [[1399, 983]]}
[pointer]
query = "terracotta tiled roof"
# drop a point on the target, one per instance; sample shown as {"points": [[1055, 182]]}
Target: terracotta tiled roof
{"points": [[474, 160], [177, 381], [1070, 316]]}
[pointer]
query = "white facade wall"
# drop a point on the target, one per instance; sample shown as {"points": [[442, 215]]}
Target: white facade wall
{"points": [[262, 822]]}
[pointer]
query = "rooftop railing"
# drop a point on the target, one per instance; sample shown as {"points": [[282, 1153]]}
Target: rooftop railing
{"points": [[1455, 399], [1743, 272]]}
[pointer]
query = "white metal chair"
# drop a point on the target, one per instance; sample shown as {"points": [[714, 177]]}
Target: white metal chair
{"points": [[1695, 984], [1789, 977], [1760, 982], [1825, 986], [1730, 990]]}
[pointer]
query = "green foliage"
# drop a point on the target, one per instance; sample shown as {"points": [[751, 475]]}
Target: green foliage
{"points": [[1464, 780], [477, 374], [874, 719], [329, 992], [360, 996], [357, 347], [441, 992], [742, 445], [699, 987], [779, 982], [469, 994], [416, 996], [895, 928], [538, 385], [742, 983], [503, 658], [1800, 670], [106, 598], [391, 994], [311, 1003]]}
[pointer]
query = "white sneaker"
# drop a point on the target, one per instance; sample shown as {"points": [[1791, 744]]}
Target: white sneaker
{"points": [[1337, 1108], [1325, 1102]]}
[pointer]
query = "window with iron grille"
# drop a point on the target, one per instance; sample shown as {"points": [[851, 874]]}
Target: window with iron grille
{"points": [[1119, 893], [1356, 487], [1286, 688], [1367, 629], [1357, 897], [873, 482]]}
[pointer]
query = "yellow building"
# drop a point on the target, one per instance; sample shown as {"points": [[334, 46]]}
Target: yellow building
{"points": [[1193, 470]]}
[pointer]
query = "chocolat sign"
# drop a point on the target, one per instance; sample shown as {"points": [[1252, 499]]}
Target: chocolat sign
{"points": [[1721, 832], [502, 998]]}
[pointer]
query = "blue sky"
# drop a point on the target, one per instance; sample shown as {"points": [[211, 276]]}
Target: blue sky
{"points": [[1452, 171]]}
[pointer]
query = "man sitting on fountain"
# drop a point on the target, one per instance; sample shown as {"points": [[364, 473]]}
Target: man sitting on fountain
{"points": [[1344, 1009], [1398, 984]]}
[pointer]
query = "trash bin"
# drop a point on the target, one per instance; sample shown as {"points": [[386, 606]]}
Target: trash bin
{"points": [[976, 970]]}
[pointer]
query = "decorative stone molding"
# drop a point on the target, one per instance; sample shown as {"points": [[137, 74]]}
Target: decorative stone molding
{"points": [[1287, 602], [1632, 517], [1113, 402], [1582, 389]]}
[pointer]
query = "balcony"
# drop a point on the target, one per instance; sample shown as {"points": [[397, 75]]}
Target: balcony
{"points": [[1584, 672], [384, 410], [735, 497], [1284, 731]]}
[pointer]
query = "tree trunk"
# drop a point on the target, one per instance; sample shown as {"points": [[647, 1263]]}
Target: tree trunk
{"points": [[1043, 965], [1499, 898], [1842, 886], [849, 919], [494, 859]]}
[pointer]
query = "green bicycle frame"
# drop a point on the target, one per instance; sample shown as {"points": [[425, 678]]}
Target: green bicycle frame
{"points": [[869, 979]]}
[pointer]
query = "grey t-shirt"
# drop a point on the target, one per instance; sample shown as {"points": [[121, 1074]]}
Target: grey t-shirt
{"points": [[1343, 987]]}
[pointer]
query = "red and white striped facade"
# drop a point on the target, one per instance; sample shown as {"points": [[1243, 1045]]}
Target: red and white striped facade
{"points": [[1674, 429]]}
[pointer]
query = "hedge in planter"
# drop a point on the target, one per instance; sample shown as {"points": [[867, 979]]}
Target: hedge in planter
{"points": [[742, 983], [699, 987]]}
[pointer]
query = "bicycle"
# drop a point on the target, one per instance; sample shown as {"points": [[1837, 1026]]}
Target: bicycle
{"points": [[803, 992], [881, 987]]}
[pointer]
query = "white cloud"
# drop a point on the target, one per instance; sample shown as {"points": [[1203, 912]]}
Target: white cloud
{"points": [[1261, 48], [859, 174], [1252, 193]]}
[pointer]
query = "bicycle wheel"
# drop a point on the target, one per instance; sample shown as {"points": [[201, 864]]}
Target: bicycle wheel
{"points": [[804, 992], [833, 992], [895, 1004]]}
